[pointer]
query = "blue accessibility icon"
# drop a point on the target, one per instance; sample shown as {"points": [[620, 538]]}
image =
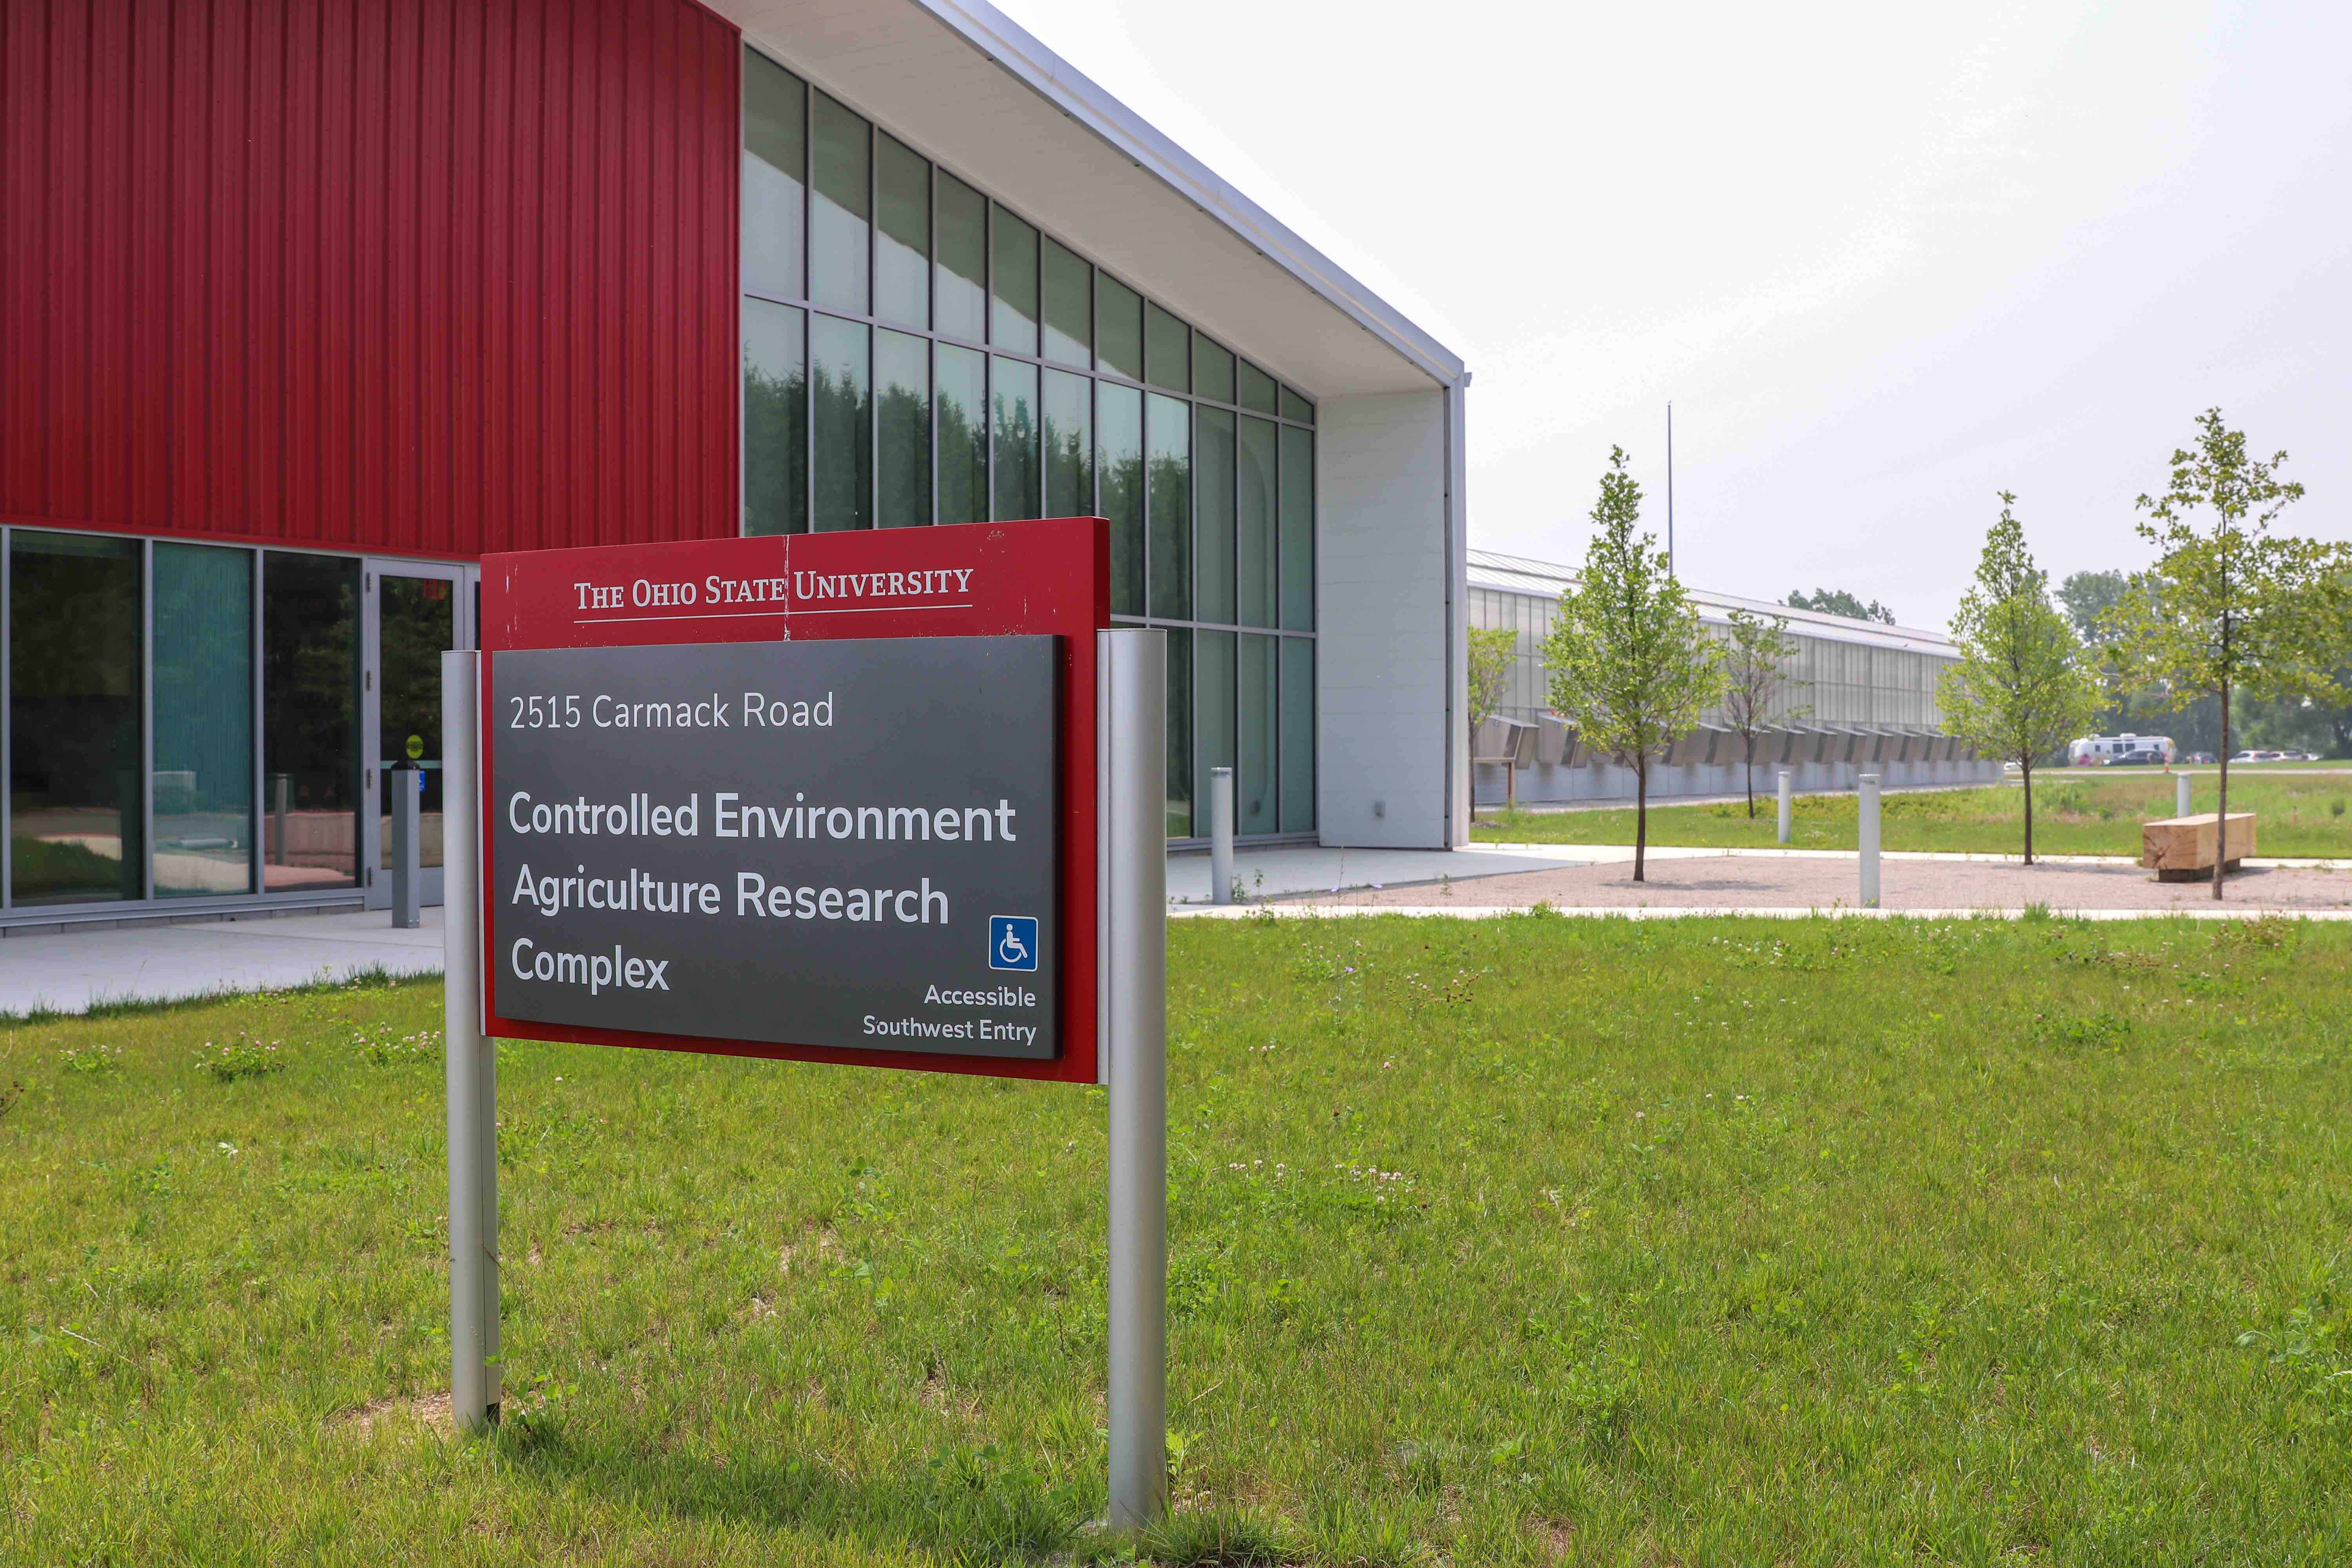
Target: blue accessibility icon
{"points": [[1013, 942]]}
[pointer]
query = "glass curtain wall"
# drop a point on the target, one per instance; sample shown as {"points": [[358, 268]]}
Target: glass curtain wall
{"points": [[915, 352], [183, 718]]}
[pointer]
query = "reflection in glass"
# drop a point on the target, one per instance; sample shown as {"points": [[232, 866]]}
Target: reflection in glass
{"points": [[416, 623], [1069, 308], [1167, 350], [1254, 536], [1297, 528], [1017, 474], [1180, 733], [1213, 715], [1119, 327], [203, 721], [963, 433], [1212, 513], [74, 720], [902, 417], [902, 234], [775, 136], [1255, 391], [309, 721], [1255, 806], [1120, 463], [1297, 735], [1015, 255], [1213, 370], [843, 441], [1296, 407], [775, 419], [1168, 432], [1069, 444], [962, 271], [837, 237]]}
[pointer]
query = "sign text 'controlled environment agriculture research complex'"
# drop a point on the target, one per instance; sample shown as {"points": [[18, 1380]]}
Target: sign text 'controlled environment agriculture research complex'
{"points": [[736, 800]]}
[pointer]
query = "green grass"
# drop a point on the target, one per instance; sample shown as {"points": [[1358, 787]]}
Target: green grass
{"points": [[1517, 1241], [2076, 812]]}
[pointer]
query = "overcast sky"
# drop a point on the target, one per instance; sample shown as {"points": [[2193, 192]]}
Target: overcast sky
{"points": [[1886, 260]]}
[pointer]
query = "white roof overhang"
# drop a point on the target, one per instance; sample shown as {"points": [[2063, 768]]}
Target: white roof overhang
{"points": [[961, 82]]}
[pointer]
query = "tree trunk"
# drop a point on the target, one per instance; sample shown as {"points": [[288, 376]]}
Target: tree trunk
{"points": [[1641, 814], [2025, 772], [1748, 767], [2222, 806]]}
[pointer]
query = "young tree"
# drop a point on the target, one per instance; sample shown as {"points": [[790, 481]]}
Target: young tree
{"points": [[1754, 660], [2232, 608], [2022, 686], [1630, 667], [1492, 648]]}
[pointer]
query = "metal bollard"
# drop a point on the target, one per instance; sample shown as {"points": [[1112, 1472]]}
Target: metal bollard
{"points": [[400, 782], [2180, 795], [1786, 788], [1221, 836], [1869, 813]]}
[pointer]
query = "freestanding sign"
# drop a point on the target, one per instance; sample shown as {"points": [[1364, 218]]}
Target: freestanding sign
{"points": [[889, 799]]}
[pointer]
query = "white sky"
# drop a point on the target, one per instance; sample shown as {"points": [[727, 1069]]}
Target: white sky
{"points": [[1886, 260]]}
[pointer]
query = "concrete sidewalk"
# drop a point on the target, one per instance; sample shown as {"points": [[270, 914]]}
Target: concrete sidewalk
{"points": [[1287, 870], [71, 971]]}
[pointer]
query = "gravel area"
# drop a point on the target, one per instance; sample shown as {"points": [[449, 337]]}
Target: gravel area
{"points": [[1776, 882]]}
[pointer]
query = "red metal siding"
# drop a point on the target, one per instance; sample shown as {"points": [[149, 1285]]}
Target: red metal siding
{"points": [[426, 275]]}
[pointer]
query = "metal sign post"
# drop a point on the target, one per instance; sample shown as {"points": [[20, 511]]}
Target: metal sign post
{"points": [[1134, 686], [471, 1061]]}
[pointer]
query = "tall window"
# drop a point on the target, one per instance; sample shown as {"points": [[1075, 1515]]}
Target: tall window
{"points": [[914, 353]]}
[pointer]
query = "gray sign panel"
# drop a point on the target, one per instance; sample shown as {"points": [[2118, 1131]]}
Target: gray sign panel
{"points": [[849, 843]]}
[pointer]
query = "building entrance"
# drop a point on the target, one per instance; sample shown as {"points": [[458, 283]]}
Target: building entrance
{"points": [[412, 615]]}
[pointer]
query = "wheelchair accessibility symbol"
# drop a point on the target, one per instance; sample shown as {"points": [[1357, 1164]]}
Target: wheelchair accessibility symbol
{"points": [[1013, 942]]}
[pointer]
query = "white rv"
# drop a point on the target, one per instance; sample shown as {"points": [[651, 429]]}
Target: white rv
{"points": [[2099, 750]]}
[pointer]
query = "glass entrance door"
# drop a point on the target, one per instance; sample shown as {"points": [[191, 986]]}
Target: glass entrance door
{"points": [[415, 615]]}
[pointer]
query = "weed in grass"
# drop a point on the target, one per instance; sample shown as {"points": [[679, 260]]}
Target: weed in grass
{"points": [[97, 1057], [247, 1056], [9, 1096], [382, 1047]]}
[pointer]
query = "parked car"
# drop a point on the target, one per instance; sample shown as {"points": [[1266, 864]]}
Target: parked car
{"points": [[2248, 757], [2140, 760]]}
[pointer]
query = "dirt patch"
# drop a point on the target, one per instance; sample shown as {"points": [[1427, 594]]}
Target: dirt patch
{"points": [[427, 1410]]}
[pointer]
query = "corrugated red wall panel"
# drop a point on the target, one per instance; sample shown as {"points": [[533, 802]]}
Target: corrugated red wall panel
{"points": [[422, 276]]}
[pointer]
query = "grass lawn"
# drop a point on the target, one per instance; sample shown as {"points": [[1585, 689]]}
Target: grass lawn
{"points": [[1520, 1241], [2076, 812]]}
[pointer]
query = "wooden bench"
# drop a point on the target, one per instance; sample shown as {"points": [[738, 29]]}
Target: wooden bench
{"points": [[2183, 848]]}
